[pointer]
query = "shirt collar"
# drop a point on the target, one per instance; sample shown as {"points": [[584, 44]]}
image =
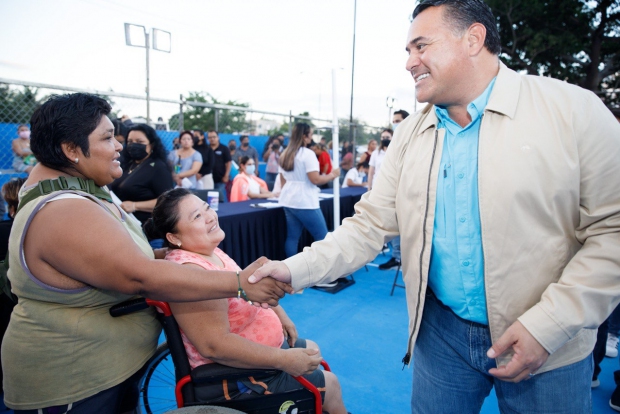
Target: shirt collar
{"points": [[475, 109]]}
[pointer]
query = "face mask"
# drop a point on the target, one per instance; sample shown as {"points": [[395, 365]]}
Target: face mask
{"points": [[245, 144], [136, 151], [250, 169], [394, 125], [232, 147], [362, 174], [24, 134], [385, 142]]}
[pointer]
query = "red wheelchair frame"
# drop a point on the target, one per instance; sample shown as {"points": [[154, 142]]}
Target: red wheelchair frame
{"points": [[187, 379]]}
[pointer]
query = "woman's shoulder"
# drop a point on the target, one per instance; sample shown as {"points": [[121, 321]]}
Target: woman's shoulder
{"points": [[183, 256]]}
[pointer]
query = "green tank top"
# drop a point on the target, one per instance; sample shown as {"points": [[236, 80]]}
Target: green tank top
{"points": [[62, 346]]}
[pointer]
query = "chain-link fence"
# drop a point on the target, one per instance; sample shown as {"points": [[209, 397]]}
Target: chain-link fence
{"points": [[18, 100]]}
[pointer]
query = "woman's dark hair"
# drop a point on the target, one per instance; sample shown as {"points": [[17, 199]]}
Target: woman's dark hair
{"points": [[287, 159], [120, 128], [362, 164], [461, 14], [244, 160], [187, 131], [20, 126], [10, 192], [165, 215], [157, 147], [65, 119]]}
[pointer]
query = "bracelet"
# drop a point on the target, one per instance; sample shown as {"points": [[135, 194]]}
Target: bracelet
{"points": [[240, 291]]}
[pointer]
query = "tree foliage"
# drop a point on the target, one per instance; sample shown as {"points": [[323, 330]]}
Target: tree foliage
{"points": [[362, 132], [201, 117], [17, 105], [574, 40]]}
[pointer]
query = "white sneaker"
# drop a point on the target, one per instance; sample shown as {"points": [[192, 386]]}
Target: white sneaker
{"points": [[611, 350], [595, 383], [326, 285]]}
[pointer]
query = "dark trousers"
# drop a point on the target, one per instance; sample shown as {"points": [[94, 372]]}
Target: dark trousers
{"points": [[599, 348]]}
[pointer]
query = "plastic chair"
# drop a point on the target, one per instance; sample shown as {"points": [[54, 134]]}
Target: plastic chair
{"points": [[395, 284]]}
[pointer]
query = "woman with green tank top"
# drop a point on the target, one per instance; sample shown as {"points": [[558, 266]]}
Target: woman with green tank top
{"points": [[73, 255]]}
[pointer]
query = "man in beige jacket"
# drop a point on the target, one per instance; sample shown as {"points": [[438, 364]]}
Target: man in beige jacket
{"points": [[505, 191]]}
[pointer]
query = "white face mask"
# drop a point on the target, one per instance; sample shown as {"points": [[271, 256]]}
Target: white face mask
{"points": [[250, 169], [24, 134], [362, 174]]}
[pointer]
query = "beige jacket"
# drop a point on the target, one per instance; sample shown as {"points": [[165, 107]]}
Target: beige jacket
{"points": [[549, 193]]}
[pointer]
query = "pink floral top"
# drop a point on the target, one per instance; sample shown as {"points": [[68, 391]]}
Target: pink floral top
{"points": [[251, 322]]}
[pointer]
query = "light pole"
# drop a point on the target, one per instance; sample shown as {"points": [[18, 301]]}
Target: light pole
{"points": [[389, 102], [138, 36]]}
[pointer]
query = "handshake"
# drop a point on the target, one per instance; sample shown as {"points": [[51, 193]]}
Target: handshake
{"points": [[266, 281]]}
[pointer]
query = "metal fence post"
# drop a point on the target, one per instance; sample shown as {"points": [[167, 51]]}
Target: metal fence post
{"points": [[290, 123], [217, 120], [181, 127]]}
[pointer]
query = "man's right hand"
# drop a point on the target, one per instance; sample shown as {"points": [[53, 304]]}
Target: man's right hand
{"points": [[268, 291], [275, 269], [300, 361]]}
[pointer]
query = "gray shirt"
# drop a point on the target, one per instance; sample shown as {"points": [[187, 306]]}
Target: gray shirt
{"points": [[250, 152]]}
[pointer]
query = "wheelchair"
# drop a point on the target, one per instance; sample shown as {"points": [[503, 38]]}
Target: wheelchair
{"points": [[169, 382]]}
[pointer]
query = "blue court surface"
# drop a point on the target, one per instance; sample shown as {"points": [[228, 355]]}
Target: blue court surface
{"points": [[362, 332]]}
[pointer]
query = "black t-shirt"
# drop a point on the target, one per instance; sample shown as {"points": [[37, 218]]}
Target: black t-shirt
{"points": [[222, 156], [145, 182], [5, 231], [207, 158]]}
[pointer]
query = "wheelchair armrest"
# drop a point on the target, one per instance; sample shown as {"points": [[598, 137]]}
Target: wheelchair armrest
{"points": [[217, 372]]}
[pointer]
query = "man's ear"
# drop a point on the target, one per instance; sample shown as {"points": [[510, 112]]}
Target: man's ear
{"points": [[476, 35]]}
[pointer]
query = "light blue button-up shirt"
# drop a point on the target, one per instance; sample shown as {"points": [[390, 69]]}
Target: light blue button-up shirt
{"points": [[456, 274]]}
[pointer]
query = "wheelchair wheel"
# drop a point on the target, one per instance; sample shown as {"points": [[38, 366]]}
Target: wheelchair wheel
{"points": [[158, 383]]}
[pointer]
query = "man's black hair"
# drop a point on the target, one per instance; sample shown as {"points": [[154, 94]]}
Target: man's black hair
{"points": [[67, 118], [404, 114], [461, 14]]}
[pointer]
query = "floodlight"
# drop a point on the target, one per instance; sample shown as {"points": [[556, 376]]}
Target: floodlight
{"points": [[135, 35], [162, 40]]}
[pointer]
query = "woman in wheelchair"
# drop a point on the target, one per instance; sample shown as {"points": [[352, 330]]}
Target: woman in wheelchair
{"points": [[232, 331]]}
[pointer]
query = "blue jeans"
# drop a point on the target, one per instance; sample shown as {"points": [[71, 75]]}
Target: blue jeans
{"points": [[296, 220], [395, 243], [221, 188], [450, 372]]}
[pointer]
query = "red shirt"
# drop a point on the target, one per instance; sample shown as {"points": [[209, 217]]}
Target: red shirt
{"points": [[325, 163]]}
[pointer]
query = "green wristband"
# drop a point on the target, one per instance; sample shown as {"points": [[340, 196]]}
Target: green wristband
{"points": [[240, 291]]}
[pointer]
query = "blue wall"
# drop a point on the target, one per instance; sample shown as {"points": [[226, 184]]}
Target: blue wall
{"points": [[8, 132]]}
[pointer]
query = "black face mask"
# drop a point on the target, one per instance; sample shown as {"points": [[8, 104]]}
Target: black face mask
{"points": [[137, 151], [245, 144], [232, 147], [385, 142]]}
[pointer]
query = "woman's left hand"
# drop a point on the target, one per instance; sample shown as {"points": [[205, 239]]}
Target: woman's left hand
{"points": [[290, 331]]}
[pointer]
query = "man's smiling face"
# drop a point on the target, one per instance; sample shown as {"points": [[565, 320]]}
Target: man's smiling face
{"points": [[438, 59]]}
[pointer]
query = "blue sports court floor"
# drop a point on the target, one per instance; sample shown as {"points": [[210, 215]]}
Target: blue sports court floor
{"points": [[362, 332]]}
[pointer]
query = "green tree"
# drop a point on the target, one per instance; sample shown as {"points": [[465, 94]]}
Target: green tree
{"points": [[17, 105], [362, 133], [284, 128], [574, 40], [201, 117]]}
